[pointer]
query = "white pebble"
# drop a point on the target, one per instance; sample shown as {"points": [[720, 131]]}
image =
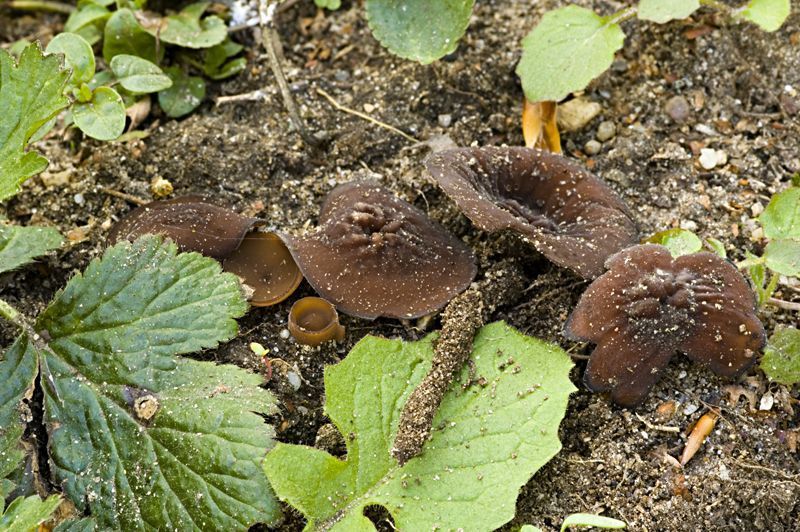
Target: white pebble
{"points": [[284, 334], [710, 158], [690, 409], [767, 400], [294, 379]]}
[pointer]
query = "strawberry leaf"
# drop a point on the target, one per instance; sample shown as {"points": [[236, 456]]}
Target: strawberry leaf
{"points": [[20, 245]]}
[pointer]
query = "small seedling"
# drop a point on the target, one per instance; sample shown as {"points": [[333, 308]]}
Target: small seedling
{"points": [[582, 520], [572, 45]]}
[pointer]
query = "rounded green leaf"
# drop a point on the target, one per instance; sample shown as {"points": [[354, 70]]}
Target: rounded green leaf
{"points": [[567, 49], [781, 218], [102, 118], [124, 35], [185, 95], [187, 30], [678, 241], [783, 256], [419, 29], [767, 14], [78, 56], [329, 4], [87, 14], [781, 360], [717, 247], [665, 10], [139, 75]]}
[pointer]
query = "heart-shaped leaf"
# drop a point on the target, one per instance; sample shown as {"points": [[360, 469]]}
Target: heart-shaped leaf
{"points": [[78, 56], [103, 117], [184, 96]]}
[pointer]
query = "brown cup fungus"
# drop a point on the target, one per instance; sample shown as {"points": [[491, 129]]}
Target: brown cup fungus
{"points": [[313, 321], [375, 255], [265, 264], [568, 214], [191, 222], [649, 305]]}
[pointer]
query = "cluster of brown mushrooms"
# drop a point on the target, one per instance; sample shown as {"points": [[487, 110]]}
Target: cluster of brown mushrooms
{"points": [[374, 255]]}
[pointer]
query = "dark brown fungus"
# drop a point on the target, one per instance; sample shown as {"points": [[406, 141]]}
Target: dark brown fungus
{"points": [[312, 321], [569, 215], [649, 305], [375, 255], [266, 265], [191, 222]]}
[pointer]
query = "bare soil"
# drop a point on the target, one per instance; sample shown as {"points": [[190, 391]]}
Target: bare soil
{"points": [[743, 90]]}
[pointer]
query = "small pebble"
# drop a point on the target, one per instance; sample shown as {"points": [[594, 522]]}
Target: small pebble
{"points": [[710, 158], [767, 400], [690, 409], [294, 380], [445, 120], [606, 131], [368, 107], [284, 334], [79, 199], [678, 108], [757, 208], [592, 147]]}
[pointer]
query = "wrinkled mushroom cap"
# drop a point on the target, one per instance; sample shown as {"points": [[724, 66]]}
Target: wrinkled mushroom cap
{"points": [[375, 255], [649, 305], [265, 265], [313, 321], [191, 222], [569, 215]]}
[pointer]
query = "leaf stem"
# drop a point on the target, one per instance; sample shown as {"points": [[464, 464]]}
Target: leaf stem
{"points": [[621, 16], [41, 5], [14, 316]]}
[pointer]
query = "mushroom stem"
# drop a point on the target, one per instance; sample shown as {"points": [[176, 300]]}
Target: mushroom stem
{"points": [[461, 319]]}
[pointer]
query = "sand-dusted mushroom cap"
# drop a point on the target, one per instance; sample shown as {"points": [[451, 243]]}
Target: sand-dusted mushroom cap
{"points": [[649, 306], [569, 215], [192, 222], [313, 321], [375, 255], [265, 264]]}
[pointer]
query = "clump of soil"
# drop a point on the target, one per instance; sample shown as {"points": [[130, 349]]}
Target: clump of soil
{"points": [[737, 90]]}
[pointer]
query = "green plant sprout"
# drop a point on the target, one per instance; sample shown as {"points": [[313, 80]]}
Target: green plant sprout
{"points": [[132, 427], [584, 521], [572, 45], [497, 425]]}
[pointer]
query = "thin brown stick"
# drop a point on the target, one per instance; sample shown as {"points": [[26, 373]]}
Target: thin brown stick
{"points": [[786, 305], [365, 116], [122, 195]]}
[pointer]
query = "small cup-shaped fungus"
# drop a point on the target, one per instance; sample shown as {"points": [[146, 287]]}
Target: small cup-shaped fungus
{"points": [[375, 255], [191, 222], [569, 215], [313, 321], [648, 305], [265, 264]]}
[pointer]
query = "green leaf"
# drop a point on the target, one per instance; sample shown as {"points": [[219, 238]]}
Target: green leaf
{"points": [[333, 5], [187, 30], [783, 256], [124, 35], [487, 441], [102, 118], [665, 10], [567, 49], [420, 30], [781, 218], [529, 528], [768, 14], [89, 14], [591, 520], [781, 361], [87, 524], [31, 93], [20, 245], [27, 513], [139, 437], [78, 56], [17, 373], [678, 241], [185, 95], [215, 65], [138, 75], [717, 247]]}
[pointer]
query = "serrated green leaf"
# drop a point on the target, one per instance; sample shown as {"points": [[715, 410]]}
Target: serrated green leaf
{"points": [[20, 245], [124, 35], [188, 30], [781, 218], [781, 361], [783, 256], [420, 30], [102, 118], [185, 95], [140, 438], [17, 373], [678, 241], [27, 513], [31, 93], [767, 14], [567, 49], [487, 440], [592, 520], [87, 524], [139, 76], [78, 56], [665, 10]]}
